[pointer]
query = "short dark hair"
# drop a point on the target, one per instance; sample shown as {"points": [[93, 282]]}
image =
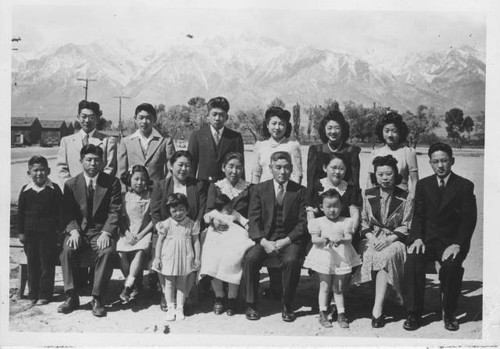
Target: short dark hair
{"points": [[147, 108], [233, 155], [221, 201], [338, 117], [330, 194], [439, 146], [127, 176], [387, 160], [397, 120], [332, 156], [281, 155], [281, 113], [91, 149], [177, 199], [37, 159], [90, 105], [179, 154], [218, 102]]}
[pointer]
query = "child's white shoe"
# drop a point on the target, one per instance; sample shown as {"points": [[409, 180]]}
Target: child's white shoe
{"points": [[179, 313], [170, 315]]}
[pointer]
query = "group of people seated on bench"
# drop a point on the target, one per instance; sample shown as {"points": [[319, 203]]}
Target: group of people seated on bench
{"points": [[211, 224]]}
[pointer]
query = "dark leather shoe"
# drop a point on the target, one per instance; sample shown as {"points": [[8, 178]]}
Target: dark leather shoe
{"points": [[97, 308], [288, 315], [342, 320], [218, 306], [163, 303], [231, 307], [252, 314], [451, 323], [323, 319], [378, 322], [412, 323], [71, 303]]}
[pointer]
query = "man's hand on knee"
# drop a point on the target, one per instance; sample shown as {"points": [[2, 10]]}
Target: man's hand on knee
{"points": [[74, 239], [452, 251], [417, 247], [103, 241], [269, 246]]}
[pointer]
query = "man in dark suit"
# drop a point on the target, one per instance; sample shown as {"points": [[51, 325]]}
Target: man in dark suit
{"points": [[444, 219], [92, 206], [278, 225], [212, 142]]}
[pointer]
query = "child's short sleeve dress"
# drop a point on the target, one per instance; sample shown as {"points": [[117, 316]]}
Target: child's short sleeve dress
{"points": [[136, 210], [333, 260], [177, 253]]}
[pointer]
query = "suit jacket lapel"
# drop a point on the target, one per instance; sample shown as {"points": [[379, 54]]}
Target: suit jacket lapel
{"points": [[77, 143], [209, 138], [434, 191], [449, 191], [100, 190], [269, 199], [393, 206], [153, 146], [375, 206], [223, 141], [288, 199], [136, 144]]}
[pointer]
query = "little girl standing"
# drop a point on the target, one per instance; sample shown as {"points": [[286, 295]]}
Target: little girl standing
{"points": [[332, 255], [223, 250], [177, 254], [135, 241]]}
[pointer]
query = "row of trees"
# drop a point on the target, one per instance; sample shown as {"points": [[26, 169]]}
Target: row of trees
{"points": [[180, 120]]}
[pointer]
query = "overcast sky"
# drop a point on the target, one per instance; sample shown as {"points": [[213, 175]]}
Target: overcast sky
{"points": [[363, 33]]}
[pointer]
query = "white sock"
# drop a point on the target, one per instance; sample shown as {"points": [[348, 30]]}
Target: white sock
{"points": [[340, 310], [322, 308]]}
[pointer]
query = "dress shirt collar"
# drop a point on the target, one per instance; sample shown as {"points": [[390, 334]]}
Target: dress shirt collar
{"points": [[87, 179], [445, 179], [32, 185], [154, 134], [83, 134], [214, 131], [277, 186]]}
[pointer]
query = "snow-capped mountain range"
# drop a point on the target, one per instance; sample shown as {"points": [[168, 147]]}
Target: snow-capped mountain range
{"points": [[248, 71]]}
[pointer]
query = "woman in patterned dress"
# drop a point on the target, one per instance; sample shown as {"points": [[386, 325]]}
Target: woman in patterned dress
{"points": [[385, 221]]}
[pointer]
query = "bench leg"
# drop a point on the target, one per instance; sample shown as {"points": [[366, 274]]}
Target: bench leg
{"points": [[23, 278]]}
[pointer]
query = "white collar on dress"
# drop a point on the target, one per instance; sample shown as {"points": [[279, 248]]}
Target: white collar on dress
{"points": [[228, 189], [341, 188]]}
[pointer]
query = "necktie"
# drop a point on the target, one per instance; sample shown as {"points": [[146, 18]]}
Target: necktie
{"points": [[90, 199], [85, 140], [441, 187], [281, 194], [217, 137]]}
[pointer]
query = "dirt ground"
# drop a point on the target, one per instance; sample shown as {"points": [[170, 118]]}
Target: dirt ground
{"points": [[144, 315]]}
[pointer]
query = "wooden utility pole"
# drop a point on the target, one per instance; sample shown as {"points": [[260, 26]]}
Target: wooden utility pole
{"points": [[86, 88], [120, 115]]}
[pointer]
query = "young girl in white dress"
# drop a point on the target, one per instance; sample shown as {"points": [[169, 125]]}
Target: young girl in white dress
{"points": [[136, 238], [332, 255], [177, 254], [223, 250]]}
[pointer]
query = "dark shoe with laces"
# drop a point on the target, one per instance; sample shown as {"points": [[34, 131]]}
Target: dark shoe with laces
{"points": [[287, 314], [323, 319], [342, 320], [378, 322], [412, 322], [218, 306], [97, 308], [451, 323], [252, 313], [71, 303]]}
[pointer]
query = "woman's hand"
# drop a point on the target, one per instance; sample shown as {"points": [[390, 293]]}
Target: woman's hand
{"points": [[381, 244], [196, 263], [130, 238], [321, 242]]}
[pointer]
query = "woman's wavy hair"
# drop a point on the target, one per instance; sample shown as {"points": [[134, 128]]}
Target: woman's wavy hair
{"points": [[281, 113], [338, 117], [397, 120], [387, 160]]}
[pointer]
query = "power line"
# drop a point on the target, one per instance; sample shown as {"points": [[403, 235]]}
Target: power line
{"points": [[120, 115], [86, 84]]}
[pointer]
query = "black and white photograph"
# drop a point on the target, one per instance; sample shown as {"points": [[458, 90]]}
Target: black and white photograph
{"points": [[250, 173]]}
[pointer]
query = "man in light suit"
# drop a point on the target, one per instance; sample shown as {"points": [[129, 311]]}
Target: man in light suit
{"points": [[92, 206], [146, 146], [68, 158], [278, 225], [210, 144], [443, 222]]}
